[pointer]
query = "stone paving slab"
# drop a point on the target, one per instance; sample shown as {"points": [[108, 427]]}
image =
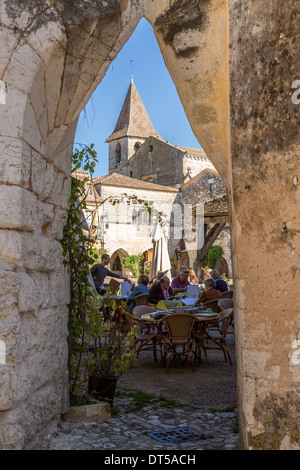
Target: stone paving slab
{"points": [[128, 430], [211, 387]]}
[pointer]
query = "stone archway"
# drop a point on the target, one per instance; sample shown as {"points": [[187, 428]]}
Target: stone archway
{"points": [[120, 254], [235, 93]]}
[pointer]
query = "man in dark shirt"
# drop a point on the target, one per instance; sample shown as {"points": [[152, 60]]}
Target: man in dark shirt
{"points": [[99, 273], [221, 285]]}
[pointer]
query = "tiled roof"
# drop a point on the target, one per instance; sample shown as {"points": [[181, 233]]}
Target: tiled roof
{"points": [[133, 120], [125, 181]]}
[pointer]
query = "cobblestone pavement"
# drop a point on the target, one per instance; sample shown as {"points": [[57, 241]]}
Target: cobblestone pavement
{"points": [[128, 430], [211, 387]]}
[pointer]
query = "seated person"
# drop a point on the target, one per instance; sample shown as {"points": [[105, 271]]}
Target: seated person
{"points": [[192, 277], [99, 273], [181, 283], [129, 277], [221, 285], [141, 288], [210, 293], [160, 291], [157, 278]]}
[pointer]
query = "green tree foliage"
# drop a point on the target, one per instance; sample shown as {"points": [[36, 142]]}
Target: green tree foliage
{"points": [[214, 254], [134, 263]]}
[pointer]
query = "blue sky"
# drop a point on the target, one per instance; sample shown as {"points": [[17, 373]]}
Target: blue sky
{"points": [[155, 87]]}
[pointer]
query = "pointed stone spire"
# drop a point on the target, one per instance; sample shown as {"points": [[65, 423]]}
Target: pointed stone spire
{"points": [[133, 120]]}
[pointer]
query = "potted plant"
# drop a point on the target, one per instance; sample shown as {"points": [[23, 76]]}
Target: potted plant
{"points": [[110, 347]]}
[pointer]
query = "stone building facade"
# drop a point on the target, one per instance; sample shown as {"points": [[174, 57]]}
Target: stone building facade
{"points": [[126, 229], [208, 188], [236, 68], [157, 161]]}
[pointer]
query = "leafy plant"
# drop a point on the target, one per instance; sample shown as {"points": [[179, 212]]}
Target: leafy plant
{"points": [[77, 244], [134, 262], [79, 253], [110, 343], [95, 255], [214, 254]]}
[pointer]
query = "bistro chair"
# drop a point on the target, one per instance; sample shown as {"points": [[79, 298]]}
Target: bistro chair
{"points": [[141, 299], [146, 339], [224, 304], [180, 335], [228, 294], [213, 304], [142, 310], [215, 339]]}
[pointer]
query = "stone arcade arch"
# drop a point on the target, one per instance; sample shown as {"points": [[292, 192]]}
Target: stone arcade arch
{"points": [[233, 64], [121, 254]]}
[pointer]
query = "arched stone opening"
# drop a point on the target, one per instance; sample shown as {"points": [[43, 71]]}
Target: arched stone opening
{"points": [[222, 266], [116, 260], [118, 153], [51, 64]]}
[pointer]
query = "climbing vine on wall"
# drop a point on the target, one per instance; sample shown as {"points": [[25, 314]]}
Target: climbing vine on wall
{"points": [[78, 252]]}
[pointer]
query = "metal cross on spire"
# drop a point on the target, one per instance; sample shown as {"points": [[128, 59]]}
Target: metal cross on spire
{"points": [[131, 74]]}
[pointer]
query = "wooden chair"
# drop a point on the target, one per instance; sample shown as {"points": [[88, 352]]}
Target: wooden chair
{"points": [[180, 334], [215, 339], [213, 304], [147, 338]]}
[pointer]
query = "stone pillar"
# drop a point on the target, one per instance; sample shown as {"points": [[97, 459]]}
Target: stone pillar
{"points": [[52, 57], [264, 63], [34, 193]]}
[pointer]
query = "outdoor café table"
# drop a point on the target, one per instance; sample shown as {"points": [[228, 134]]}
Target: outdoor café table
{"points": [[155, 319], [166, 304], [170, 304], [119, 299]]}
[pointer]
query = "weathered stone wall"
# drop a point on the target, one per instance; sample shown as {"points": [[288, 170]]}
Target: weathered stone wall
{"points": [[165, 160], [53, 55], [203, 187], [265, 61], [206, 187], [168, 164], [127, 149]]}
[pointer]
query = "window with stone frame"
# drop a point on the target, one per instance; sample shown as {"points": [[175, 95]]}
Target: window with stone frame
{"points": [[140, 215]]}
